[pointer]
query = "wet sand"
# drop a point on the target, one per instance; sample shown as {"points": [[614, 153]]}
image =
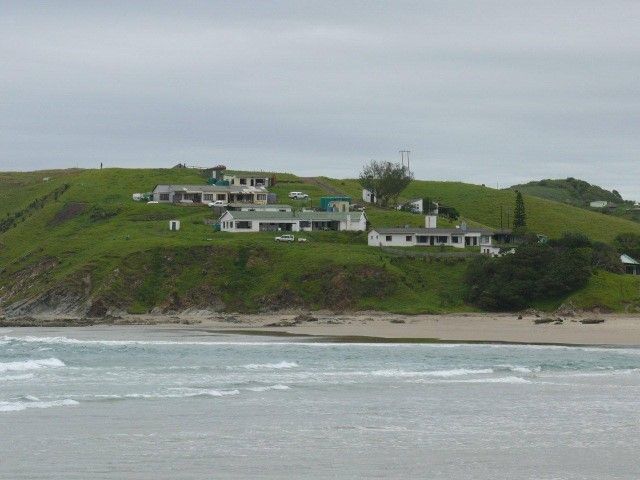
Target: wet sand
{"points": [[617, 329]]}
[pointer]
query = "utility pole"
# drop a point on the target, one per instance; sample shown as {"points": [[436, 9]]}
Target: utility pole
{"points": [[402, 155]]}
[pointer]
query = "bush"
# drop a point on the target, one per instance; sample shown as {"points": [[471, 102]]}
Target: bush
{"points": [[628, 243], [534, 272]]}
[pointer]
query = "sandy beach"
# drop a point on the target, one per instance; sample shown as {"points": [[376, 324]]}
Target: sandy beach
{"points": [[614, 329]]}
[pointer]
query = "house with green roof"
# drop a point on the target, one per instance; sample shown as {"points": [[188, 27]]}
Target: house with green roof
{"points": [[268, 221]]}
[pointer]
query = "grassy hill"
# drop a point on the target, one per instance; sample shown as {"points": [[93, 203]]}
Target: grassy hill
{"points": [[580, 194], [78, 243], [482, 205]]}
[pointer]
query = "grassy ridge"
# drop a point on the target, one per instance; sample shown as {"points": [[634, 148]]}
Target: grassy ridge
{"points": [[95, 241], [482, 205]]}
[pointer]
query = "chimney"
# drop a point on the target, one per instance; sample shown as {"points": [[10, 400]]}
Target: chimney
{"points": [[431, 221]]}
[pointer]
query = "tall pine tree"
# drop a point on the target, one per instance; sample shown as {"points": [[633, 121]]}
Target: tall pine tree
{"points": [[519, 215]]}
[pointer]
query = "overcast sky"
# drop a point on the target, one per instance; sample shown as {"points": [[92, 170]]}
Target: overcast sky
{"points": [[479, 91]]}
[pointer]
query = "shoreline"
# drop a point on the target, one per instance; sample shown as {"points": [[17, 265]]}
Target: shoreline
{"points": [[508, 328]]}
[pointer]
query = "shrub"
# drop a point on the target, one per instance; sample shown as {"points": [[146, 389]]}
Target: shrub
{"points": [[534, 272]]}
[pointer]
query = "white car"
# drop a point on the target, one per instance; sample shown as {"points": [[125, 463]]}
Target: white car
{"points": [[217, 203], [298, 195], [285, 238]]}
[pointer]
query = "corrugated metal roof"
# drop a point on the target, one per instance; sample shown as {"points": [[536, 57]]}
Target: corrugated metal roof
{"points": [[626, 259], [313, 216], [431, 231], [256, 205], [208, 188]]}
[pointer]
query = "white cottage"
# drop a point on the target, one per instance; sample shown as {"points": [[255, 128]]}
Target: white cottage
{"points": [[209, 193], [266, 221], [431, 236]]}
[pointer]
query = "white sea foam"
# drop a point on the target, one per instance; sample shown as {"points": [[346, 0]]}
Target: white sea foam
{"points": [[519, 369], [24, 376], [179, 393], [270, 387], [398, 373], [23, 405], [74, 341], [442, 381], [495, 380], [270, 366], [31, 364]]}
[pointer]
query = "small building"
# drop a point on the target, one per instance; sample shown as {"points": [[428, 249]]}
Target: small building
{"points": [[430, 236], [368, 196], [251, 179], [599, 204], [252, 207], [335, 203], [415, 206], [264, 221], [205, 194], [631, 265], [174, 225]]}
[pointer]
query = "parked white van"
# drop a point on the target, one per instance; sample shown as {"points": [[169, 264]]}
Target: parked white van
{"points": [[298, 195]]}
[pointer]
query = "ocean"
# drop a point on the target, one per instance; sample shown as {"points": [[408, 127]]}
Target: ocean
{"points": [[168, 403]]}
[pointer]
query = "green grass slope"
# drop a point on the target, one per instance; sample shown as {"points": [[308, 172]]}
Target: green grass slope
{"points": [[568, 190], [94, 247], [482, 205]]}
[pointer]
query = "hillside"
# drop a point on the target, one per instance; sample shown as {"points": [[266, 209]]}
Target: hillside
{"points": [[482, 205], [77, 243], [580, 194], [569, 190]]}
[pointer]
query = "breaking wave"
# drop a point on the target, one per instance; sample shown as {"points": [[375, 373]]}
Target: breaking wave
{"points": [[33, 402], [24, 376], [270, 387], [270, 366], [31, 365]]}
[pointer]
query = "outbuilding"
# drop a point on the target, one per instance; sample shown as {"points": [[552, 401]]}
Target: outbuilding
{"points": [[631, 265]]}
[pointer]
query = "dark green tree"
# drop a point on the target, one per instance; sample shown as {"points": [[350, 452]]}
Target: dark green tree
{"points": [[519, 214], [386, 180]]}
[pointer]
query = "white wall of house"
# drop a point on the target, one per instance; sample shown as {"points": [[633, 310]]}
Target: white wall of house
{"points": [[409, 238], [229, 224], [368, 196], [416, 206]]}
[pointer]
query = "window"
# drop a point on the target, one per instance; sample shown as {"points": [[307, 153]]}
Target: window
{"points": [[261, 196], [221, 196], [246, 225], [442, 239], [388, 238], [164, 197], [207, 196], [305, 224], [455, 239], [409, 238], [243, 181]]}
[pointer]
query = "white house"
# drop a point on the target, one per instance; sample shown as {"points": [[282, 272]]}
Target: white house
{"points": [[368, 196], [631, 265], [599, 204], [209, 193], [250, 179], [254, 221], [416, 205], [409, 237], [252, 207], [431, 236]]}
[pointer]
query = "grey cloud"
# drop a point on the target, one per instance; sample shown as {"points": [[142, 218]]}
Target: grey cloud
{"points": [[497, 91]]}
